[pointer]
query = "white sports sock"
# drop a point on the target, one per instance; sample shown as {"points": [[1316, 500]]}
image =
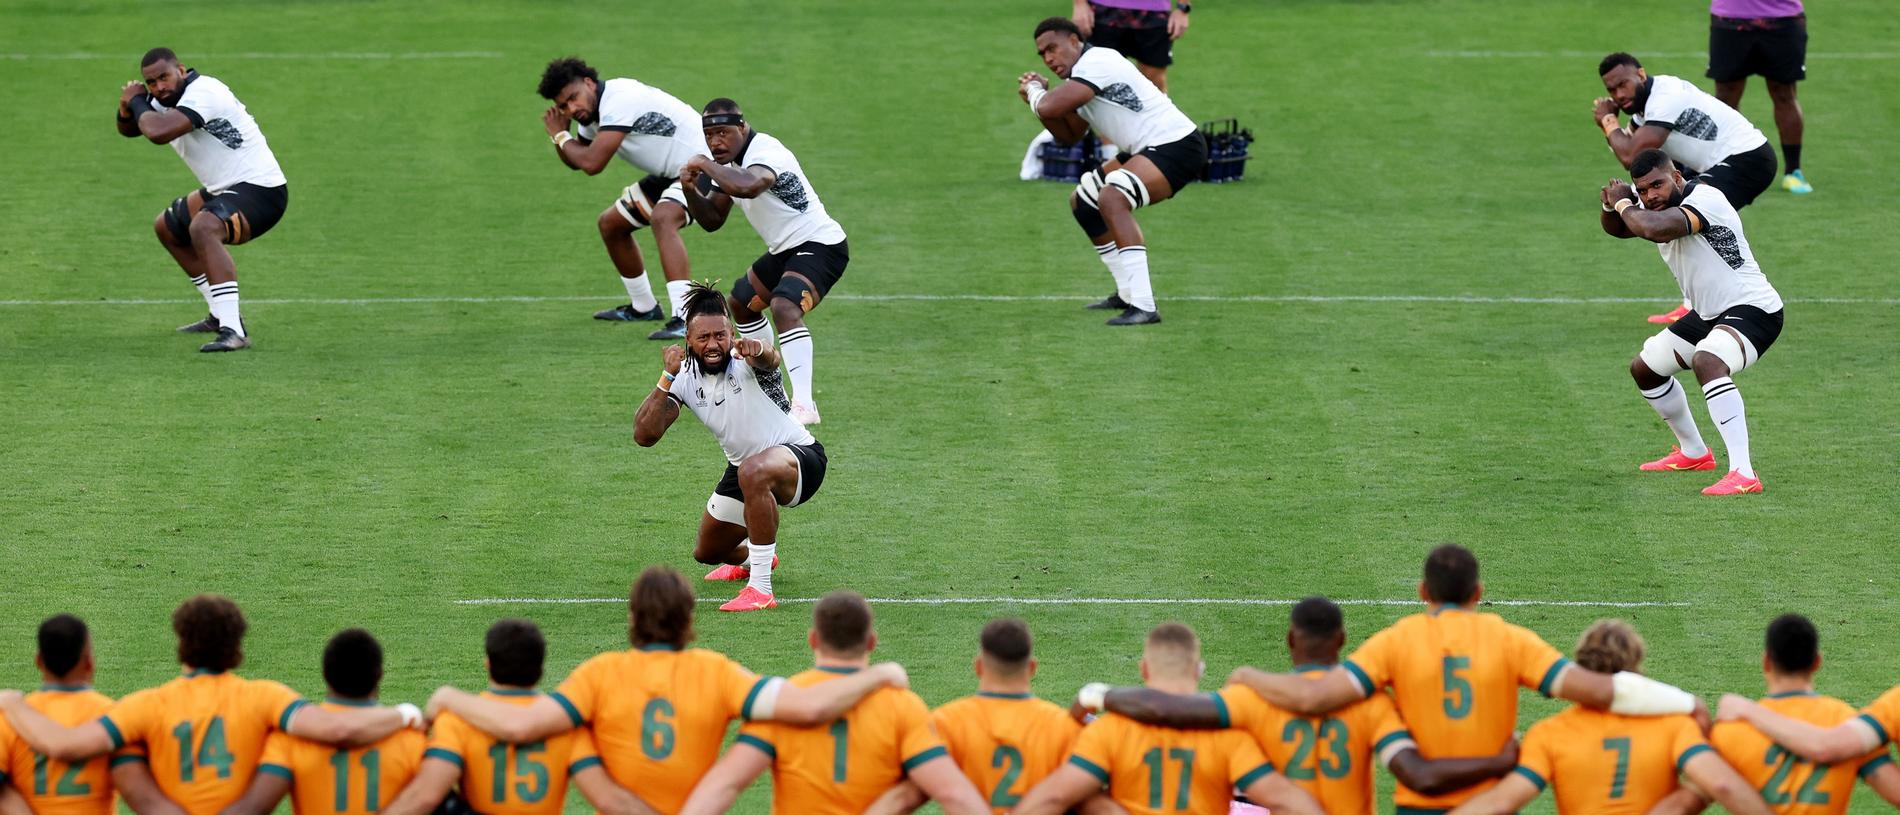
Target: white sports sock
{"points": [[224, 306], [1672, 404], [1725, 409], [760, 329], [759, 560], [676, 295], [203, 285], [1107, 251], [1134, 263], [638, 294], [795, 345]]}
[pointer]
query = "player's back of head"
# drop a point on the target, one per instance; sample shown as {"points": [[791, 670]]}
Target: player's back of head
{"points": [[516, 651], [210, 631], [157, 55], [841, 625], [1609, 63], [1451, 575], [660, 609], [1610, 646], [1648, 161], [1061, 25], [1006, 646], [1794, 645], [1316, 629], [353, 664], [63, 641], [1172, 651], [562, 72]]}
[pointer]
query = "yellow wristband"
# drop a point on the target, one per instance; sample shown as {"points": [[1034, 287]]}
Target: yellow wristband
{"points": [[1624, 204]]}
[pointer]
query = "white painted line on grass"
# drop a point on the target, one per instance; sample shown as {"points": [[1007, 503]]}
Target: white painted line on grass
{"points": [[974, 298], [293, 55], [1481, 54], [1078, 601]]}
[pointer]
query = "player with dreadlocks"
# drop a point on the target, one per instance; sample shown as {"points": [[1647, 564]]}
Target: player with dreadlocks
{"points": [[735, 387]]}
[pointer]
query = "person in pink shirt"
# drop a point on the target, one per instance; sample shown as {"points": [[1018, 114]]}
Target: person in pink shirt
{"points": [[1768, 38], [1142, 29]]}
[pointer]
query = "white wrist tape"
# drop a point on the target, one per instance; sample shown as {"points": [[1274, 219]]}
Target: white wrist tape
{"points": [[1638, 695], [562, 138], [1036, 92], [1093, 695], [411, 715]]}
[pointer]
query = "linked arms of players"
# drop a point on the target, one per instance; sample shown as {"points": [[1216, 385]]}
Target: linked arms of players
{"points": [[589, 157], [1848, 740], [650, 422], [1626, 693], [137, 118], [1627, 220], [438, 776]]}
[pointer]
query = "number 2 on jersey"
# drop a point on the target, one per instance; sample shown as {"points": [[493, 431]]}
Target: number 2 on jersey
{"points": [[1012, 758], [1776, 792], [1305, 739]]}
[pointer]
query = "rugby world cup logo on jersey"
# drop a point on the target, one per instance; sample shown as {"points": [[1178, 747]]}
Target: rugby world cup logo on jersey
{"points": [[1121, 94]]}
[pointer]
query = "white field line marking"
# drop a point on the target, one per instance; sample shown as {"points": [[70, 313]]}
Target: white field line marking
{"points": [[982, 298], [360, 55], [1823, 55], [1078, 601]]}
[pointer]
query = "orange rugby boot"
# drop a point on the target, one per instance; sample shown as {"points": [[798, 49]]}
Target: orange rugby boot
{"points": [[1672, 462], [1734, 484], [1670, 316], [750, 599]]}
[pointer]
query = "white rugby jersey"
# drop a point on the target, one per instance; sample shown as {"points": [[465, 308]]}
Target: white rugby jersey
{"points": [[789, 213], [224, 147], [1715, 267], [1702, 130], [661, 132], [1127, 110], [745, 408]]}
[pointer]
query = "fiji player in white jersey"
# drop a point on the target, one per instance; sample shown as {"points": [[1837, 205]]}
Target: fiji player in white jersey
{"points": [[805, 251], [1737, 313], [1162, 152], [735, 388], [656, 133], [241, 194]]}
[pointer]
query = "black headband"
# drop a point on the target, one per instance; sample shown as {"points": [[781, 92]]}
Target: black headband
{"points": [[721, 119]]}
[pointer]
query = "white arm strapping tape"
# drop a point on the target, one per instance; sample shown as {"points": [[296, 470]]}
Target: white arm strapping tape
{"points": [[1093, 695], [1036, 92], [1638, 695], [767, 703]]}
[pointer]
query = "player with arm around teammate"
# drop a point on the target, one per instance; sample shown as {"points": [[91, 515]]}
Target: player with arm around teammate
{"points": [[1330, 756], [737, 391], [1606, 764], [1455, 674], [242, 192], [805, 250], [1162, 152], [1738, 313]]}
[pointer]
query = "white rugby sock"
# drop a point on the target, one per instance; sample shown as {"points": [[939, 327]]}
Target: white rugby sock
{"points": [[203, 285], [676, 295], [224, 306], [1107, 251], [1134, 263], [1725, 409], [760, 329], [1672, 404], [795, 345], [638, 294], [759, 560]]}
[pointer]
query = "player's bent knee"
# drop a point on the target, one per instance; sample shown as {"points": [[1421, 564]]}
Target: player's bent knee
{"points": [[175, 222], [725, 509], [1664, 354], [207, 227], [613, 224], [1089, 218], [669, 217], [1724, 348], [786, 313], [1131, 187]]}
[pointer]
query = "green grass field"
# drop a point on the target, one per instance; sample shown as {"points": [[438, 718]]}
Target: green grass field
{"points": [[387, 450]]}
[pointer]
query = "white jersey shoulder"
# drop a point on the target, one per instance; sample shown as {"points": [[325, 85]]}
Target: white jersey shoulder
{"points": [[746, 409], [1715, 267], [661, 131], [1702, 130], [1127, 109], [788, 213], [225, 146]]}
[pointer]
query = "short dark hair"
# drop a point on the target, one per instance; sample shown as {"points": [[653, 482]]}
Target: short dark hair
{"points": [[721, 105], [843, 622], [1613, 60], [1451, 575], [660, 609], [353, 663], [157, 55], [1318, 618], [1647, 161], [1793, 644], [1006, 642], [63, 639], [561, 73], [516, 650], [1062, 24], [210, 631]]}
